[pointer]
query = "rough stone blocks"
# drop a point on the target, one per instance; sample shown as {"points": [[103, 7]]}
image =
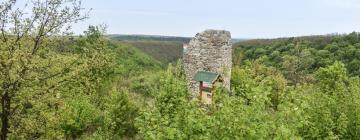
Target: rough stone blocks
{"points": [[211, 51]]}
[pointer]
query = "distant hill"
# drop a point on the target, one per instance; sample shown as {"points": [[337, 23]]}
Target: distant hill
{"points": [[157, 38], [148, 38], [166, 49], [163, 51], [319, 39], [304, 54], [237, 40]]}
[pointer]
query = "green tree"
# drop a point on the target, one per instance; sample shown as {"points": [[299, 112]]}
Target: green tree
{"points": [[330, 112], [25, 52], [120, 116], [331, 78], [173, 115], [78, 116]]}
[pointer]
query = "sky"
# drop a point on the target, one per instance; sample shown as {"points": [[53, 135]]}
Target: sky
{"points": [[243, 18]]}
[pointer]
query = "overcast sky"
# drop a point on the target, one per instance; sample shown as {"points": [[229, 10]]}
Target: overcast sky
{"points": [[243, 18]]}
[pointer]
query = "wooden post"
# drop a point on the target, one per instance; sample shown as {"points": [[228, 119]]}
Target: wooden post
{"points": [[200, 90]]}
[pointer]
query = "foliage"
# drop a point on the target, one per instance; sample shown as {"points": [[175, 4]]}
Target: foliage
{"points": [[122, 114], [30, 69], [261, 106], [298, 58], [164, 51], [77, 117], [57, 86], [173, 116]]}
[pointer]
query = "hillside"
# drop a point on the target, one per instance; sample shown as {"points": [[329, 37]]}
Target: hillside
{"points": [[147, 38], [163, 51], [166, 49], [57, 86], [297, 57]]}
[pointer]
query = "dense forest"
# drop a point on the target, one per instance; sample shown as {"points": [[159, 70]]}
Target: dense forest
{"points": [[163, 51], [148, 38], [166, 49], [298, 58], [57, 86]]}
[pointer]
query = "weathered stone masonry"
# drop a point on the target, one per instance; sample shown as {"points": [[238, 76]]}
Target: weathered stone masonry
{"points": [[210, 51]]}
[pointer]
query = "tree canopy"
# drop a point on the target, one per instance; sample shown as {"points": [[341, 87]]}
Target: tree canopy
{"points": [[54, 85]]}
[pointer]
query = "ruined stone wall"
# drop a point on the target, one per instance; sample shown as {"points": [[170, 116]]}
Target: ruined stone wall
{"points": [[211, 51]]}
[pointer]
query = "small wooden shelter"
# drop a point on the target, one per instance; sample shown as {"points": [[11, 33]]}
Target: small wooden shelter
{"points": [[208, 81]]}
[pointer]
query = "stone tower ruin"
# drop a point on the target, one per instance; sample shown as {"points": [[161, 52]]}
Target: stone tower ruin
{"points": [[209, 51]]}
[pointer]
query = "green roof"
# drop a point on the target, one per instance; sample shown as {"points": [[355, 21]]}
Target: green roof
{"points": [[205, 76]]}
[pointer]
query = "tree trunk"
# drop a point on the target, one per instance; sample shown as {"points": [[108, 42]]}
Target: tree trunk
{"points": [[5, 114]]}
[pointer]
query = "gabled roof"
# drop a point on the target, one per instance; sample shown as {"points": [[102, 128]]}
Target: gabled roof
{"points": [[205, 76]]}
